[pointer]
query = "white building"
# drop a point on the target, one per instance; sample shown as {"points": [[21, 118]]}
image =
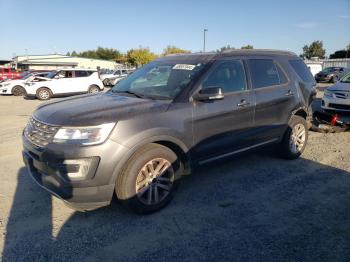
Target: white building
{"points": [[56, 61]]}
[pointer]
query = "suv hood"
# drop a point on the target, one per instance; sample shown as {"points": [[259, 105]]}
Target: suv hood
{"points": [[90, 110], [340, 87]]}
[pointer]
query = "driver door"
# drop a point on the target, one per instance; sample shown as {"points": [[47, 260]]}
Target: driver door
{"points": [[221, 127]]}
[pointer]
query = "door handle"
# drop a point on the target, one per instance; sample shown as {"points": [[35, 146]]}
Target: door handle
{"points": [[243, 103], [289, 93]]}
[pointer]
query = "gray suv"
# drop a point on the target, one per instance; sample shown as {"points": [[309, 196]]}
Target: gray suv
{"points": [[171, 115]]}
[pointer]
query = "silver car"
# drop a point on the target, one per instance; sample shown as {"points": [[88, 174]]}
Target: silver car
{"points": [[337, 97]]}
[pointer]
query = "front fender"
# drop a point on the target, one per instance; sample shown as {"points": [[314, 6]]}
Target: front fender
{"points": [[146, 137]]}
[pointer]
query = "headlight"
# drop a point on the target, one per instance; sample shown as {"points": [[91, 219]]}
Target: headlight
{"points": [[84, 135], [328, 93], [6, 84]]}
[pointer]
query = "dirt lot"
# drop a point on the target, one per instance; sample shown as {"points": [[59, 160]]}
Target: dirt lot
{"points": [[255, 208]]}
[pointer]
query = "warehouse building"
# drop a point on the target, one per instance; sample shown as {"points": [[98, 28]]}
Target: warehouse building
{"points": [[57, 61]]}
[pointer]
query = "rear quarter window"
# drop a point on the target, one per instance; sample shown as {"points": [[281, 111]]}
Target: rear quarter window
{"points": [[265, 72], [302, 71]]}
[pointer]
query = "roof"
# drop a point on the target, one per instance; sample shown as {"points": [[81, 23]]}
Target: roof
{"points": [[31, 62], [76, 69], [212, 55]]}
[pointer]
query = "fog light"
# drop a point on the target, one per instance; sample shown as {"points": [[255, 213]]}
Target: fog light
{"points": [[77, 169]]}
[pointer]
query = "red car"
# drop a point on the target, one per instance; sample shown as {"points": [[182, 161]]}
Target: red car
{"points": [[8, 73]]}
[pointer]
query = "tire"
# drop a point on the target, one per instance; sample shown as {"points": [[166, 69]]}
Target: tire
{"points": [[136, 187], [93, 89], [18, 91], [290, 148], [43, 93]]}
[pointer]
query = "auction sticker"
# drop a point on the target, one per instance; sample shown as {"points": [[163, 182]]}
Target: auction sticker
{"points": [[184, 67]]}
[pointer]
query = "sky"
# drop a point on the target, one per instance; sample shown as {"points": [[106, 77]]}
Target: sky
{"points": [[44, 27]]}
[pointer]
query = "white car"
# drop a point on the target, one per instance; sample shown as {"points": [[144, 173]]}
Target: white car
{"points": [[16, 87], [115, 77], [337, 97], [65, 82]]}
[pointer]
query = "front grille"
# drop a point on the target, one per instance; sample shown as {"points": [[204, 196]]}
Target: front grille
{"points": [[338, 106], [40, 134], [342, 95]]}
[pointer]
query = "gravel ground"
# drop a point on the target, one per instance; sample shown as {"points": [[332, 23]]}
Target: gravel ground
{"points": [[255, 208]]}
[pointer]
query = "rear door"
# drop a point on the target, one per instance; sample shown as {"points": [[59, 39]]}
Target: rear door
{"points": [[275, 98], [220, 126]]}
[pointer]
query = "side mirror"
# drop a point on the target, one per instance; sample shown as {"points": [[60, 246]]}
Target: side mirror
{"points": [[209, 94]]}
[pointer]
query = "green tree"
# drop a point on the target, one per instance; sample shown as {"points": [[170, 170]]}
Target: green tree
{"points": [[101, 53], [74, 53], [247, 47], [224, 48], [140, 56], [315, 49], [171, 49], [344, 53], [68, 54]]}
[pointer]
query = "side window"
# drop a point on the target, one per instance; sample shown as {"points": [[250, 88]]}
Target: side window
{"points": [[81, 74], [229, 75], [264, 73], [301, 70], [69, 74]]}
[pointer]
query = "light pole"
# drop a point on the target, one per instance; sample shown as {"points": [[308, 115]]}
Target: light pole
{"points": [[205, 30]]}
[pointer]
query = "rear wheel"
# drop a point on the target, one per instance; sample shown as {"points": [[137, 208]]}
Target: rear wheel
{"points": [[18, 91], [94, 89], [295, 138], [43, 93], [149, 180]]}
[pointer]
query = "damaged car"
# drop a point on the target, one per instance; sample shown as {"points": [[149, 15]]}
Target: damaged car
{"points": [[337, 97]]}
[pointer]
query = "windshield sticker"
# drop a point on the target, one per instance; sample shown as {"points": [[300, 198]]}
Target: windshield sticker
{"points": [[184, 67]]}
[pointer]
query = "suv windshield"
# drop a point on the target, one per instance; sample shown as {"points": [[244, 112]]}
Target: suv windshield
{"points": [[328, 70], [162, 80], [51, 74], [345, 79]]}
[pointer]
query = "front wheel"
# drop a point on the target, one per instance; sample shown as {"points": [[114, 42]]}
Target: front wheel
{"points": [[295, 138], [93, 89], [18, 91], [149, 180]]}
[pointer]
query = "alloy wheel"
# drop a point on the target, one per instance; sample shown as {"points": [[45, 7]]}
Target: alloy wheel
{"points": [[44, 94], [297, 138], [154, 181]]}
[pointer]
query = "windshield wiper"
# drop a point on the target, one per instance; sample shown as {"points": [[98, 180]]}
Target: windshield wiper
{"points": [[130, 93]]}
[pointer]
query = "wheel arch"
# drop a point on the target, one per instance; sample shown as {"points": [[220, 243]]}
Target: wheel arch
{"points": [[171, 142], [301, 111]]}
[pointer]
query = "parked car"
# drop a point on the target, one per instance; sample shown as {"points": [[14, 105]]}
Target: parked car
{"points": [[314, 68], [8, 73], [331, 74], [16, 87], [65, 82], [337, 97], [171, 115], [115, 77]]}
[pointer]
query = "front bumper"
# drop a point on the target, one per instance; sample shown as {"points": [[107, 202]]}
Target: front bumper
{"points": [[94, 191], [335, 104], [5, 90]]}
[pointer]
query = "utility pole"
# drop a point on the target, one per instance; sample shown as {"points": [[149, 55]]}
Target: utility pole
{"points": [[205, 30]]}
